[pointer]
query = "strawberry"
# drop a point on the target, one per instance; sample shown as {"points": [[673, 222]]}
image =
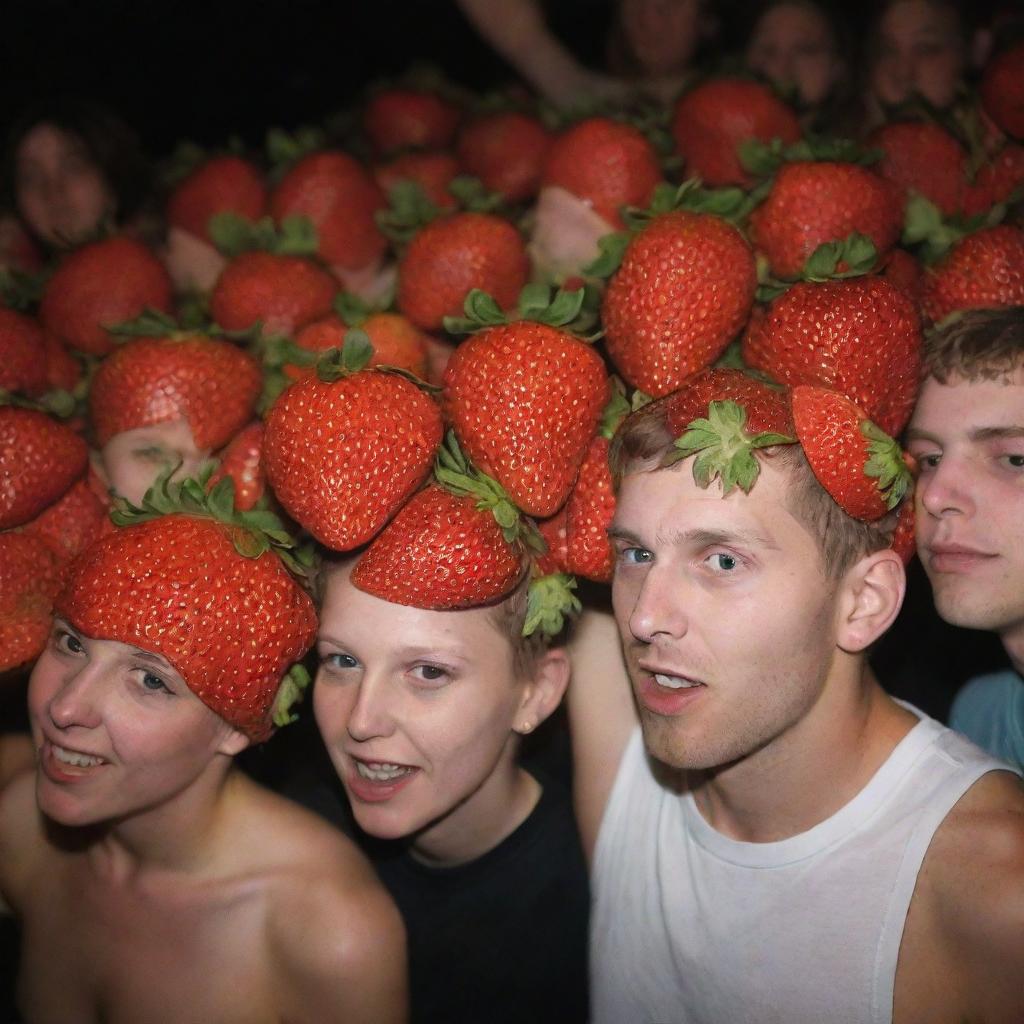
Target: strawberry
{"points": [[99, 285], [589, 512], [607, 164], [283, 293], [903, 536], [29, 582], [242, 460], [22, 354], [683, 290], [554, 532], [223, 183], [343, 454], [996, 181], [506, 152], [984, 270], [39, 460], [766, 407], [433, 172], [815, 202], [524, 400], [450, 257], [904, 273], [230, 623], [72, 522], [396, 342], [1002, 90], [860, 466], [340, 198], [63, 370], [860, 336], [399, 118], [712, 121], [212, 384]]}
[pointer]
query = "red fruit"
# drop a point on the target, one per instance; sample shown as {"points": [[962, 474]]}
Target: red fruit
{"points": [[29, 581], [343, 456], [440, 552], [506, 152], [341, 198], [72, 522], [408, 119], [766, 407], [818, 202], [101, 285], [1002, 90], [231, 626], [22, 354], [860, 466], [555, 533], [589, 512], [433, 172], [282, 292], [860, 336], [452, 256], [525, 400], [396, 342], [224, 184], [607, 164], [242, 460], [712, 121], [39, 460], [903, 537], [683, 290], [996, 181], [63, 370], [212, 384], [920, 156], [904, 273], [982, 271]]}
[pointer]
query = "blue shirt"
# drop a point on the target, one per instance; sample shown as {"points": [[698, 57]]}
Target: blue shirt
{"points": [[990, 711]]}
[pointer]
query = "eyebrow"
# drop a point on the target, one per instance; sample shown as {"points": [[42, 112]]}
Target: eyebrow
{"points": [[697, 537], [978, 434], [413, 650]]}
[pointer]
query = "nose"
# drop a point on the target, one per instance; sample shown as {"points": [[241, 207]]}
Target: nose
{"points": [[372, 714], [77, 702], [659, 607], [946, 490]]}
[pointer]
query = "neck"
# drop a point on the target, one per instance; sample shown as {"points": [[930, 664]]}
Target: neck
{"points": [[809, 772], [1013, 644]]}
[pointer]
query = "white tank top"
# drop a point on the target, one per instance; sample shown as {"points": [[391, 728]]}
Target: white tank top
{"points": [[691, 926]]}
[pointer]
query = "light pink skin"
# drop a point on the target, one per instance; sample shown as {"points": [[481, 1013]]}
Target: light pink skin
{"points": [[194, 264], [565, 235], [663, 35], [968, 440]]}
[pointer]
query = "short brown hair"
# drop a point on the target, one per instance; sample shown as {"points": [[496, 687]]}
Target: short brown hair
{"points": [[644, 439], [981, 344]]}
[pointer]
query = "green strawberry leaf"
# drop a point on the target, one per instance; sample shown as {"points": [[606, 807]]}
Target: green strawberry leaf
{"points": [[231, 233], [150, 323], [356, 350], [297, 237], [761, 159], [481, 311], [351, 309], [886, 465], [471, 194], [617, 409], [612, 248], [549, 602], [292, 691], [534, 299], [821, 264]]}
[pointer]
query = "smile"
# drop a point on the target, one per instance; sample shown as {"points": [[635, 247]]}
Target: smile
{"points": [[675, 682], [378, 771], [74, 758]]}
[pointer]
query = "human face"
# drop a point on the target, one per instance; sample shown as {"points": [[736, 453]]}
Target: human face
{"points": [[968, 440], [417, 710], [662, 34], [727, 619], [61, 193], [919, 52], [792, 46], [131, 461], [117, 731]]}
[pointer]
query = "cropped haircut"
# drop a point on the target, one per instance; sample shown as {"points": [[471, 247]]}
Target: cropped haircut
{"points": [[981, 344]]}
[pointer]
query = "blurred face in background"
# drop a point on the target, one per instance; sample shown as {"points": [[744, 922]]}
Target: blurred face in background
{"points": [[661, 34]]}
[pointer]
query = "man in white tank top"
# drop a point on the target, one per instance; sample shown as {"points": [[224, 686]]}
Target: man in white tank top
{"points": [[779, 841]]}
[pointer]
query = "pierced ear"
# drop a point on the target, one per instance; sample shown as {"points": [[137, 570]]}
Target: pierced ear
{"points": [[545, 690], [232, 742], [874, 595]]}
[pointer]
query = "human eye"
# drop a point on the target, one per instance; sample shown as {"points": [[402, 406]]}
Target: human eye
{"points": [[338, 661], [925, 460], [723, 563], [629, 555], [67, 642], [154, 683], [429, 673], [151, 453], [1013, 460]]}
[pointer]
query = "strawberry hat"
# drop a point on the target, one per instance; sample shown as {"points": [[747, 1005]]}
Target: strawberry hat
{"points": [[208, 588]]}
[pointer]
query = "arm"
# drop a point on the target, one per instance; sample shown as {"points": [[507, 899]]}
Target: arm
{"points": [[602, 717]]}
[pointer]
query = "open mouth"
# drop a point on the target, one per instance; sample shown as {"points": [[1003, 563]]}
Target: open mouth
{"points": [[381, 771], [675, 682]]}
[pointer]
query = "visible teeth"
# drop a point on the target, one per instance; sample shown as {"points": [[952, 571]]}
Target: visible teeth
{"points": [[74, 758], [674, 682], [381, 772]]}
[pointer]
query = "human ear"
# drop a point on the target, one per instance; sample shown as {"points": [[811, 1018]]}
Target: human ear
{"points": [[232, 742], [544, 691], [873, 594]]}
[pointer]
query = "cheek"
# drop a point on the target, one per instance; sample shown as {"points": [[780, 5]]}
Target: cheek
{"points": [[332, 706]]}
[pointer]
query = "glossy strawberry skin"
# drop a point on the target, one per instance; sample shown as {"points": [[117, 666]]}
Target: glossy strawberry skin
{"points": [[860, 336], [29, 582], [982, 271], [340, 197], [903, 537], [397, 119], [589, 512], [341, 457], [22, 354], [231, 626], [684, 289], [284, 293], [767, 407], [72, 522], [212, 384], [452, 256], [710, 123], [607, 164], [433, 172], [506, 152], [39, 460], [554, 530], [396, 342], [995, 181], [524, 400], [814, 203], [100, 285], [439, 552], [1002, 90], [223, 184], [242, 460]]}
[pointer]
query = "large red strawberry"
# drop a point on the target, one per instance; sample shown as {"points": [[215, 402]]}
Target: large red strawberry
{"points": [[221, 184], [340, 198], [815, 202], [525, 400], [1002, 90], [766, 406], [399, 118], [72, 522], [984, 270], [22, 354], [996, 181], [589, 512], [860, 466], [283, 293], [506, 152], [554, 532], [922, 157], [682, 292], [39, 460], [607, 164], [342, 455], [860, 336], [100, 285], [905, 273], [212, 384], [29, 581], [712, 121], [450, 257], [433, 172]]}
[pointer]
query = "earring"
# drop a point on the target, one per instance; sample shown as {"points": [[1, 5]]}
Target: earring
{"points": [[526, 727]]}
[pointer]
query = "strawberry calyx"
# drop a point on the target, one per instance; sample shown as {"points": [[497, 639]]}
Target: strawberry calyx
{"points": [[20, 290], [856, 252], [617, 409], [155, 323], [284, 149], [536, 303], [549, 602], [932, 235], [233, 235], [763, 159], [58, 403], [292, 691], [723, 446], [886, 465], [409, 210], [189, 156], [353, 357]]}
